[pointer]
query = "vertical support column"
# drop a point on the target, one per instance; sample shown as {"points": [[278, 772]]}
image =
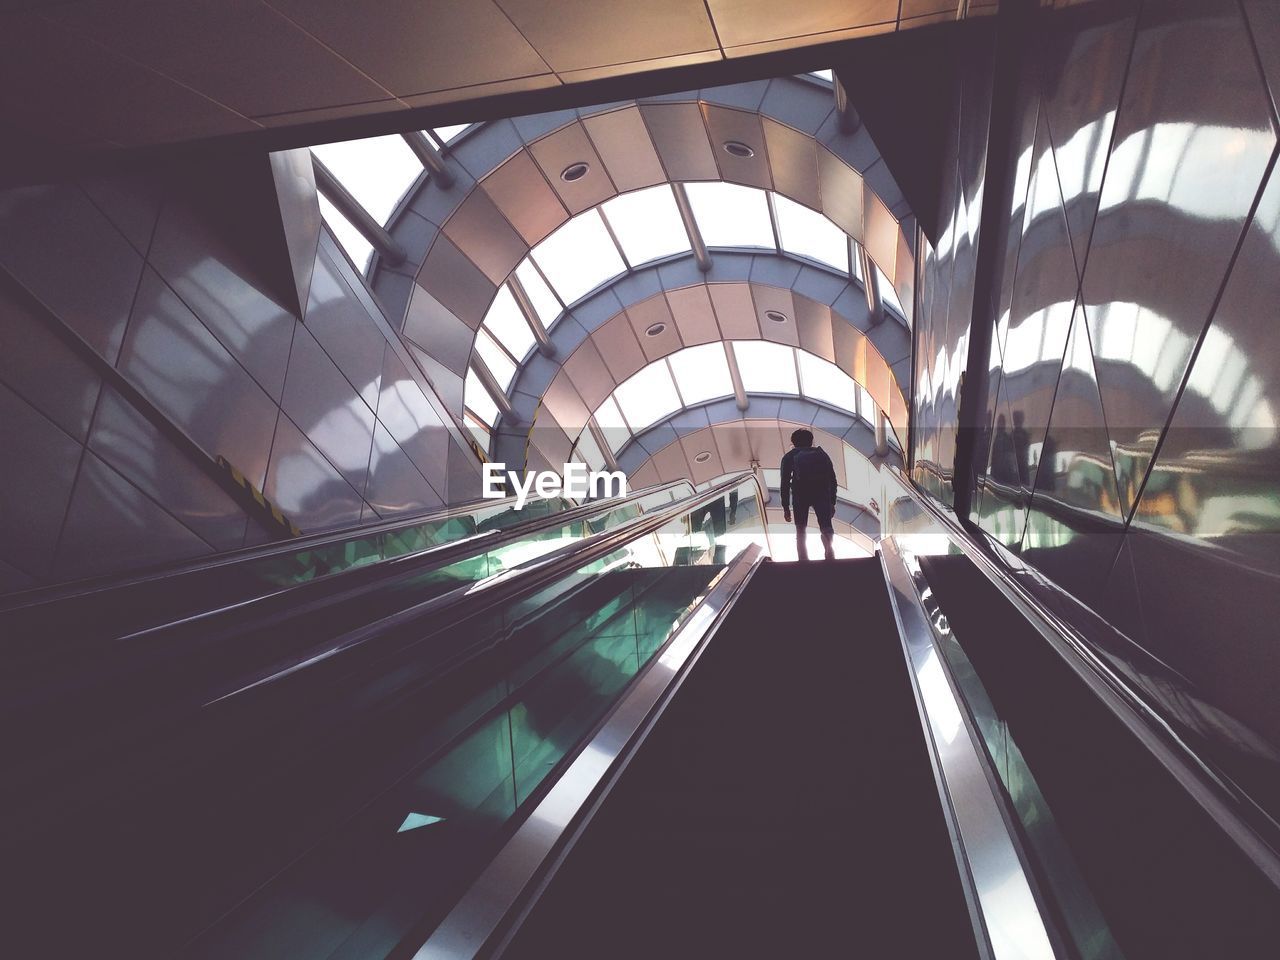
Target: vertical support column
{"points": [[388, 249], [739, 392], [691, 228], [430, 158], [496, 393], [847, 117], [871, 283], [540, 334]]}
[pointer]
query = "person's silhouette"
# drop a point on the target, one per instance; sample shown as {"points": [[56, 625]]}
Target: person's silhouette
{"points": [[1022, 447], [809, 472], [1004, 460]]}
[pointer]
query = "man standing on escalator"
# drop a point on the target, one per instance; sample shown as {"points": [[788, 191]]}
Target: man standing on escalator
{"points": [[808, 471]]}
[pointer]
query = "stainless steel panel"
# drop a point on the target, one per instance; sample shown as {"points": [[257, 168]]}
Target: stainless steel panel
{"points": [[563, 402], [681, 140], [648, 315], [432, 326], [671, 464], [767, 442], [295, 181], [41, 369], [481, 232], [622, 143], [395, 485], [589, 375], [450, 277], [735, 310], [733, 443], [725, 125], [129, 443], [558, 151], [38, 471], [1166, 230], [696, 444], [520, 191], [842, 193], [617, 345], [409, 417], [318, 399], [180, 366], [1264, 24], [346, 331], [213, 47], [552, 442], [57, 245], [112, 526], [776, 300], [303, 484], [694, 316], [793, 159], [578, 34], [411, 48], [222, 288], [880, 234]]}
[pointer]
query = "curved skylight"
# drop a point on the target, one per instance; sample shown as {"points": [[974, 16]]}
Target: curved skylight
{"points": [[376, 171], [730, 215], [507, 325], [809, 234], [579, 256], [647, 224], [767, 367]]}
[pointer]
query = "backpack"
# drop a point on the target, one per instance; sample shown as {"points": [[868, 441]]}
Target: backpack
{"points": [[809, 477]]}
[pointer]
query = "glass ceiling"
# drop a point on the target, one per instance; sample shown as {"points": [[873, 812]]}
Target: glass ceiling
{"points": [[699, 374], [637, 228]]}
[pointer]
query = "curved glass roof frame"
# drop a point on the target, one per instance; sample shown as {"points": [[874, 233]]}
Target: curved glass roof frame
{"points": [[695, 375], [642, 227]]}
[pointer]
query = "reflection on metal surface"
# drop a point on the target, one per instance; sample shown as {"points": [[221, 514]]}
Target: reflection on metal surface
{"points": [[996, 882], [477, 921]]}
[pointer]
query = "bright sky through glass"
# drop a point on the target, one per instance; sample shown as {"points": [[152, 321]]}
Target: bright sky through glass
{"points": [[495, 359], [648, 396], [702, 373], [609, 420], [377, 170], [579, 257], [352, 240], [587, 451], [766, 367], [823, 381], [507, 324], [730, 215], [647, 224], [810, 234], [448, 133], [866, 406], [888, 294], [478, 399], [545, 304]]}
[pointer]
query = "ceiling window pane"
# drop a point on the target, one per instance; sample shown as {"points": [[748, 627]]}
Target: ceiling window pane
{"points": [[476, 399], [889, 295], [478, 430], [826, 382], [647, 224], [729, 215], [377, 170], [579, 257], [545, 304], [766, 367], [587, 451], [821, 74], [810, 234], [855, 251], [702, 373], [448, 133], [648, 396], [507, 324], [496, 359], [609, 420], [866, 406], [352, 240]]}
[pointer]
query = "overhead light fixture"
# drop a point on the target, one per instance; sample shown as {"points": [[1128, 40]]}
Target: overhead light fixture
{"points": [[703, 457], [574, 171], [736, 148], [777, 316], [656, 329]]}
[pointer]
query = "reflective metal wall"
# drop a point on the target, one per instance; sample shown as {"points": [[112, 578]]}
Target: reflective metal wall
{"points": [[1129, 451], [317, 408]]}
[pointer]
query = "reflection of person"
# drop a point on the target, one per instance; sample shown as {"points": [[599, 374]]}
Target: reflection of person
{"points": [[809, 471], [1022, 447], [1004, 461]]}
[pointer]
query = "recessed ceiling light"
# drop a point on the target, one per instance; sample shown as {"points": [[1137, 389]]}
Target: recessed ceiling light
{"points": [[776, 316], [574, 171], [656, 329], [736, 148], [703, 457]]}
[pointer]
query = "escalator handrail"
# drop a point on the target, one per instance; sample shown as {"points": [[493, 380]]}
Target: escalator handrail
{"points": [[52, 593], [1239, 817], [521, 580]]}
